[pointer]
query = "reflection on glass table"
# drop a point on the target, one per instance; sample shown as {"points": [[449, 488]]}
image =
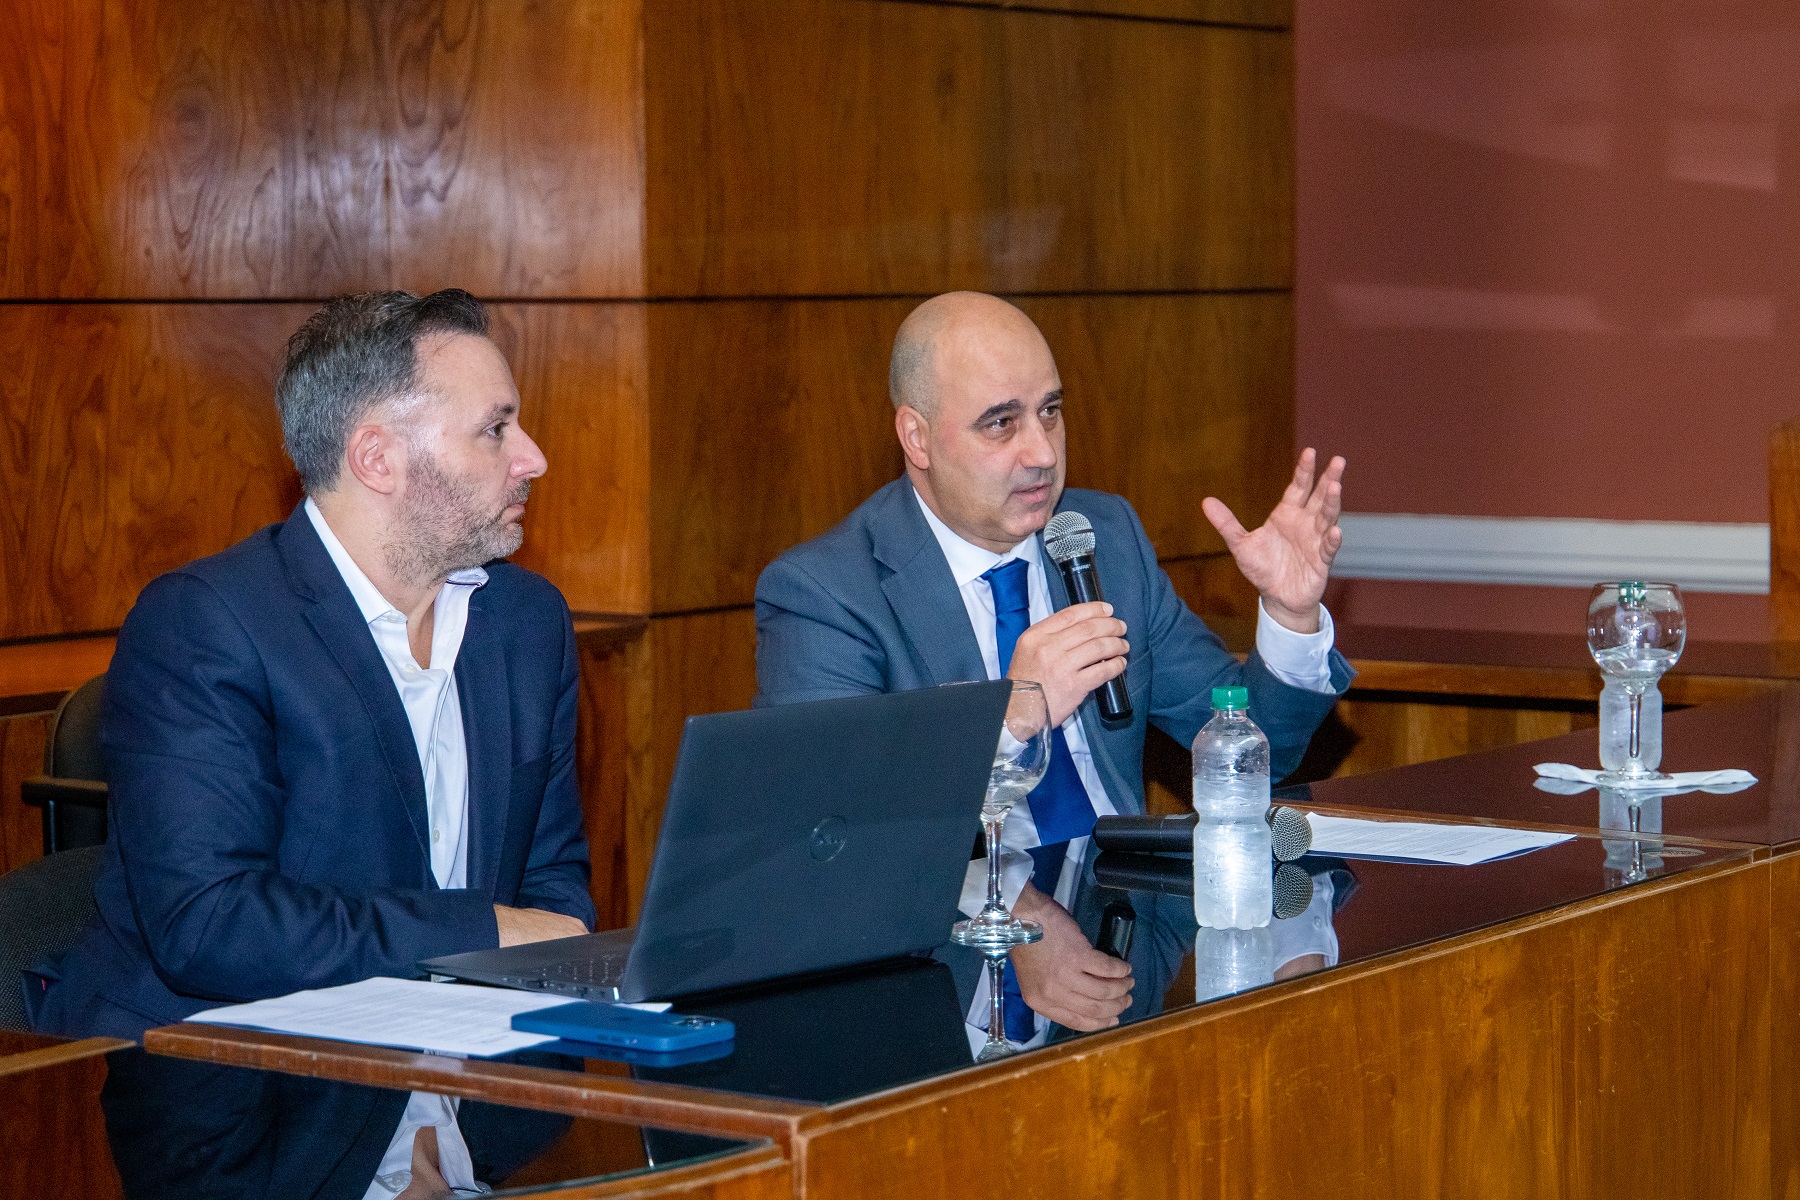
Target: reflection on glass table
{"points": [[1299, 937], [833, 1039]]}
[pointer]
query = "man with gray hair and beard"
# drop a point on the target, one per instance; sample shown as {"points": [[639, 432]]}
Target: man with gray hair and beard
{"points": [[339, 747]]}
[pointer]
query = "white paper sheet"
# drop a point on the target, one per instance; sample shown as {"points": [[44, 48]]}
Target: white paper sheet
{"points": [[1412, 841], [445, 1018]]}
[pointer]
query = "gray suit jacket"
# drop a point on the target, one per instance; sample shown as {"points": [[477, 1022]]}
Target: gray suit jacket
{"points": [[871, 606]]}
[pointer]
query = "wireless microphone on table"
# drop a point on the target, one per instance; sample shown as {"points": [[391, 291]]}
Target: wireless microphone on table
{"points": [[1070, 539]]}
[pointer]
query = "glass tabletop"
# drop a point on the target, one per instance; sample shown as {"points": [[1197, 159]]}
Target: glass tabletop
{"points": [[833, 1039], [1760, 735]]}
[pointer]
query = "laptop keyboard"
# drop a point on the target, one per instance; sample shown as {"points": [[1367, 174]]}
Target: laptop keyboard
{"points": [[590, 978]]}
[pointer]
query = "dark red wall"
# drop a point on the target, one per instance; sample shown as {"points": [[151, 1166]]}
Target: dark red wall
{"points": [[1549, 265]]}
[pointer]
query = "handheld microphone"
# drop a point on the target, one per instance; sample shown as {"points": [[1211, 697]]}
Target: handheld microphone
{"points": [[1290, 833], [1070, 539]]}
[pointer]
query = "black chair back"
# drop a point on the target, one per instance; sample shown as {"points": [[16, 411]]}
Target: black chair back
{"points": [[73, 749], [43, 907], [72, 789]]}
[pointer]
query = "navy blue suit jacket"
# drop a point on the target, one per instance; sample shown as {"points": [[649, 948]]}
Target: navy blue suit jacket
{"points": [[268, 822]]}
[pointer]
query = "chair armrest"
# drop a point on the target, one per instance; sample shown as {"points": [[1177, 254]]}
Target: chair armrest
{"points": [[43, 791]]}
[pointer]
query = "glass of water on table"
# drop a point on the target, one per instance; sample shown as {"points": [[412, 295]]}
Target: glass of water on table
{"points": [[1636, 632], [1020, 760]]}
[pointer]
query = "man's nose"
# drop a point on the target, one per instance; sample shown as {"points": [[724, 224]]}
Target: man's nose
{"points": [[528, 461], [1038, 450]]}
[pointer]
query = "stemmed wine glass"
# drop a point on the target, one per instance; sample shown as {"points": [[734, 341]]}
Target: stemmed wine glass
{"points": [[1020, 761], [1635, 632]]}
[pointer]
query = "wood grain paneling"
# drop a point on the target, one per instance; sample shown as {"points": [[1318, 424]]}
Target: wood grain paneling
{"points": [[35, 676], [825, 147], [164, 149], [757, 1174], [21, 755], [548, 1089], [1171, 399], [1374, 731], [770, 421], [1784, 531], [1784, 1018], [52, 1135], [133, 438], [1588, 1052], [580, 369], [136, 438]]}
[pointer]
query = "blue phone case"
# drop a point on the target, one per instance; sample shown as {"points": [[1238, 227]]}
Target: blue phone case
{"points": [[629, 1028]]}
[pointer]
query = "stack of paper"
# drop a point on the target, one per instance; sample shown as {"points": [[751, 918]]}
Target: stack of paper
{"points": [[445, 1018], [1416, 842]]}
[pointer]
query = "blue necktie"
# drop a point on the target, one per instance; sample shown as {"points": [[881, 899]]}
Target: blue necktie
{"points": [[1059, 804]]}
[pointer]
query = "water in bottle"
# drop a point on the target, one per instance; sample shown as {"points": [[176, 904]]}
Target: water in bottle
{"points": [[1232, 863], [1232, 960]]}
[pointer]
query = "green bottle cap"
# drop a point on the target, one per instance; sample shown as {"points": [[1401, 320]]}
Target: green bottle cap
{"points": [[1230, 699]]}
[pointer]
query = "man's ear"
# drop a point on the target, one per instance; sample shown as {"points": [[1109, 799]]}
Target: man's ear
{"points": [[914, 432], [375, 457]]}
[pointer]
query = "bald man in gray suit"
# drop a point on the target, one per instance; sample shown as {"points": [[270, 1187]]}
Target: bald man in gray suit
{"points": [[909, 590]]}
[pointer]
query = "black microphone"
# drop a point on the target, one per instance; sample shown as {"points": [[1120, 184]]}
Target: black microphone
{"points": [[1070, 539]]}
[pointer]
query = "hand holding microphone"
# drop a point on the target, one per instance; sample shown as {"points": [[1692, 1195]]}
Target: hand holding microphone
{"points": [[1081, 648]]}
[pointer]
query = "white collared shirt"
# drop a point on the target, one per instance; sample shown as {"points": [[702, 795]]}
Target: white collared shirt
{"points": [[1298, 659], [434, 711]]}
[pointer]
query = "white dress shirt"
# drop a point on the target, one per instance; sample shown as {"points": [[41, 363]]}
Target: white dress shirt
{"points": [[1300, 660], [434, 711]]}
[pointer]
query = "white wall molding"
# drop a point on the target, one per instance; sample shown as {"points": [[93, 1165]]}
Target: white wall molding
{"points": [[1553, 551]]}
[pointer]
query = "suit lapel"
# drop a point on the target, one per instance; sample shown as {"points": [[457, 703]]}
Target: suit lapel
{"points": [[333, 615], [922, 592], [482, 688]]}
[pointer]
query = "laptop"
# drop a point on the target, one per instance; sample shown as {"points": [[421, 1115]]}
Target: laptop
{"points": [[796, 839]]}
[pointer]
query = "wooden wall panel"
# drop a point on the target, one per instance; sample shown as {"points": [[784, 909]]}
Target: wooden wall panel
{"points": [[1171, 399], [21, 755], [1591, 1052], [133, 438], [756, 1174], [825, 147], [580, 369], [771, 421], [1784, 531], [52, 1135], [167, 149], [1784, 1018], [1373, 731]]}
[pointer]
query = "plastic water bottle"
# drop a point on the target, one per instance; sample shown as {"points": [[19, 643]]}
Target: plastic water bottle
{"points": [[1232, 865], [1615, 727], [1232, 960]]}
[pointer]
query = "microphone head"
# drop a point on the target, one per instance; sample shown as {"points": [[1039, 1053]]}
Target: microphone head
{"points": [[1292, 890], [1068, 535], [1290, 833]]}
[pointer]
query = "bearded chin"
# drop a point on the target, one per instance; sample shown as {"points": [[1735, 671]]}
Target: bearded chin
{"points": [[442, 529]]}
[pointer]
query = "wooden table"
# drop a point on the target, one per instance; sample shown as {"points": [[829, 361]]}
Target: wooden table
{"points": [[1529, 1027]]}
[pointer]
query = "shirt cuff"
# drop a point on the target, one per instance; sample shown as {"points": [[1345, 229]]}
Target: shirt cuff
{"points": [[1015, 873], [1300, 660]]}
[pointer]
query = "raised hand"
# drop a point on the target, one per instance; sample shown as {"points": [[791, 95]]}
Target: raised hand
{"points": [[1289, 556]]}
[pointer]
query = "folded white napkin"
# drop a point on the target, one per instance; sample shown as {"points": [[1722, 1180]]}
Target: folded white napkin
{"points": [[1718, 782]]}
